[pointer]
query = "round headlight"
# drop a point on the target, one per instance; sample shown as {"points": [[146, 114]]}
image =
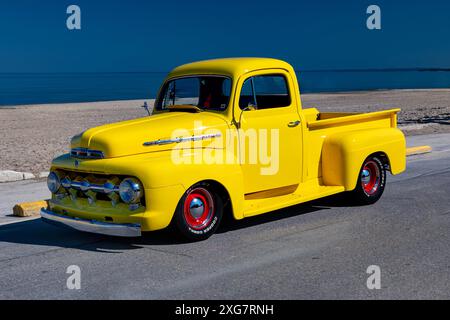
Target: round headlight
{"points": [[130, 190], [53, 182]]}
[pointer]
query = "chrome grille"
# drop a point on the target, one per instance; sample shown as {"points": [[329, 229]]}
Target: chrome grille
{"points": [[93, 187], [86, 185], [84, 153]]}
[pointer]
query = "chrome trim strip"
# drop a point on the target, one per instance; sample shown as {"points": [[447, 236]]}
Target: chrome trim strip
{"points": [[181, 139], [93, 226], [84, 153]]}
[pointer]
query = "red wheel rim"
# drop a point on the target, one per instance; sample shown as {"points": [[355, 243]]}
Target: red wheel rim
{"points": [[198, 208], [370, 177]]}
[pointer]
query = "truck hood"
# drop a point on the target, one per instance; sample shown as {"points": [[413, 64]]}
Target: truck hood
{"points": [[149, 134]]}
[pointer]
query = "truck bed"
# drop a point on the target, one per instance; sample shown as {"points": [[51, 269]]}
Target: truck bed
{"points": [[321, 125], [317, 120]]}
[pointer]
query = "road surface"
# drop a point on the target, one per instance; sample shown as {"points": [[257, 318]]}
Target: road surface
{"points": [[318, 250]]}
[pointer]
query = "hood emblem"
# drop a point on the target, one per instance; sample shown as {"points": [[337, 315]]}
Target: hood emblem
{"points": [[181, 139], [77, 163]]}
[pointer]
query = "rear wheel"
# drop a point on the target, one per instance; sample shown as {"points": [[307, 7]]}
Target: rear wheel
{"points": [[371, 181], [199, 212]]}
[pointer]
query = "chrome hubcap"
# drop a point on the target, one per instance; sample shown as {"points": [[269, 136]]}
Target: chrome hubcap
{"points": [[370, 177], [196, 208], [365, 176]]}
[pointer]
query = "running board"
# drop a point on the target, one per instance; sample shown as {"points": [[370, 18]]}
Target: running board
{"points": [[271, 192], [305, 193]]}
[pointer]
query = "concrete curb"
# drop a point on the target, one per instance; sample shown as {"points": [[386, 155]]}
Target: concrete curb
{"points": [[43, 174], [418, 150], [11, 176], [29, 209]]}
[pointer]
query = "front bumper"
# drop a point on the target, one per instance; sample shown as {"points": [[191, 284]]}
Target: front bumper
{"points": [[93, 226]]}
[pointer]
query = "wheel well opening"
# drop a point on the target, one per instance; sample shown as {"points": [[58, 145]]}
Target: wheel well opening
{"points": [[225, 196], [384, 159]]}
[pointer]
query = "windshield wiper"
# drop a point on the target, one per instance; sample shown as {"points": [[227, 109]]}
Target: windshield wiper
{"points": [[184, 107], [145, 106]]}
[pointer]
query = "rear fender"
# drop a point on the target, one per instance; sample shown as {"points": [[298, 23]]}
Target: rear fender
{"points": [[343, 154]]}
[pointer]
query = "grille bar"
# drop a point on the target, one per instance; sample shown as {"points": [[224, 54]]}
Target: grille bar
{"points": [[86, 186]]}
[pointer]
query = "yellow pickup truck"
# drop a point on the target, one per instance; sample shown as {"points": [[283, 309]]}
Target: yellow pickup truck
{"points": [[226, 137]]}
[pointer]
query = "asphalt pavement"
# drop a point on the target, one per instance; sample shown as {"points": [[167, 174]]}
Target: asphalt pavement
{"points": [[317, 250]]}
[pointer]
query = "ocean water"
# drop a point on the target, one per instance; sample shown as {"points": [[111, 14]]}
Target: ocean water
{"points": [[34, 88]]}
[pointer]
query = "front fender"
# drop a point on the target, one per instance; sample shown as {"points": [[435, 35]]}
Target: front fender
{"points": [[344, 153], [158, 170], [164, 171]]}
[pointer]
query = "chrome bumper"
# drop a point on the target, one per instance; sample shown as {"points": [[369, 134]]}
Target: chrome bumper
{"points": [[111, 229]]}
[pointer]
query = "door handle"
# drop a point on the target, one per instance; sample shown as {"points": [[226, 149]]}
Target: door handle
{"points": [[293, 123]]}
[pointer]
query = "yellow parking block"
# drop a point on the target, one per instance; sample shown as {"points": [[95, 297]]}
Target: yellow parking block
{"points": [[29, 209], [417, 150]]}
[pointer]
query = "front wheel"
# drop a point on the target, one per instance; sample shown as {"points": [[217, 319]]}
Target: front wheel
{"points": [[371, 181], [199, 212]]}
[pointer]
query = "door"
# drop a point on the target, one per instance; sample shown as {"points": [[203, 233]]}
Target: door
{"points": [[270, 133]]}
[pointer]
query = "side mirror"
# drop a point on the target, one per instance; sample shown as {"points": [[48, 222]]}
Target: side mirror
{"points": [[250, 107]]}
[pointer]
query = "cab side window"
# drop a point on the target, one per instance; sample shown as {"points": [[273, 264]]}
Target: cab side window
{"points": [[265, 92]]}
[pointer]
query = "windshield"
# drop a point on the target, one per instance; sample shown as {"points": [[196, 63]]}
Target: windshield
{"points": [[204, 92]]}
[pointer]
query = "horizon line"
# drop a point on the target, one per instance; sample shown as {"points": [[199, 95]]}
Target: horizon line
{"points": [[431, 69]]}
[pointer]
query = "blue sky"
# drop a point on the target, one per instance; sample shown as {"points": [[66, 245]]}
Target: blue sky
{"points": [[138, 35]]}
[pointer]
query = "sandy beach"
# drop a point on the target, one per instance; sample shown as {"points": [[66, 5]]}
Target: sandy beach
{"points": [[32, 135]]}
